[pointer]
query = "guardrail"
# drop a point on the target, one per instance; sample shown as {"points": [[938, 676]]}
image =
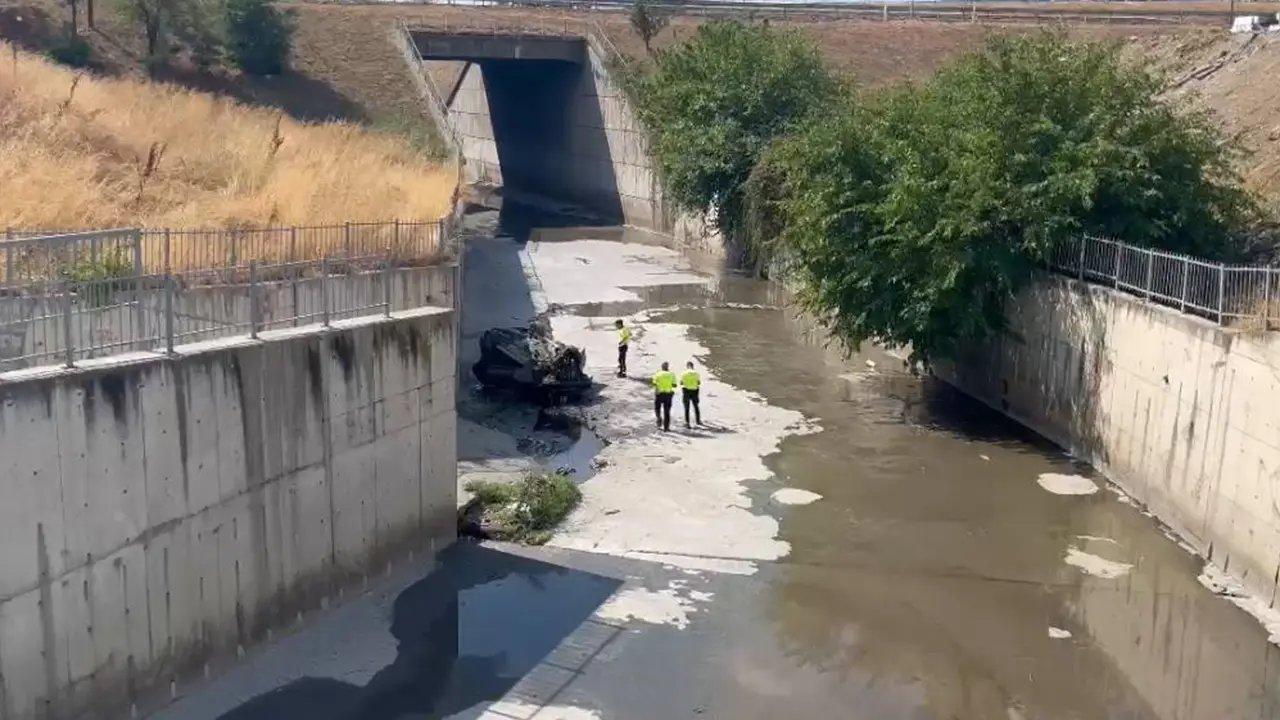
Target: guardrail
{"points": [[1240, 295], [1130, 12], [73, 296]]}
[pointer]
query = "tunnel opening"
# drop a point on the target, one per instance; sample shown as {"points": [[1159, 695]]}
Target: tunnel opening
{"points": [[528, 115]]}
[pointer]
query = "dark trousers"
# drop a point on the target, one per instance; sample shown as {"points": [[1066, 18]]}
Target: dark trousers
{"points": [[690, 397], [662, 409], [622, 359]]}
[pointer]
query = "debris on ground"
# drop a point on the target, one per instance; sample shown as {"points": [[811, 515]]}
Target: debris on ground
{"points": [[529, 359], [526, 510]]}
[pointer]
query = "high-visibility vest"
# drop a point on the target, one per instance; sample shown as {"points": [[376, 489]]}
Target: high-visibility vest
{"points": [[690, 380], [664, 381], [624, 336]]}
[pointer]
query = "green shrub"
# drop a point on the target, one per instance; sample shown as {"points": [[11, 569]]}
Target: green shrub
{"points": [[911, 218], [72, 51], [97, 281], [258, 36], [712, 104], [420, 132], [529, 509]]}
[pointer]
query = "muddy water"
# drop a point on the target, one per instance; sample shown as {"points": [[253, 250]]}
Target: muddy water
{"points": [[936, 577], [935, 566]]}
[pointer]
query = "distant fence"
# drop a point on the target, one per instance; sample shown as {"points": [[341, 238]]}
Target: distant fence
{"points": [[1129, 12], [72, 296], [1240, 295]]}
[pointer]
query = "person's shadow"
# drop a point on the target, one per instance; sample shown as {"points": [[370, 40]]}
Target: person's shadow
{"points": [[465, 633]]}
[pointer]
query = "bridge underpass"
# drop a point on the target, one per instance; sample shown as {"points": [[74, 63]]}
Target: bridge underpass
{"points": [[539, 115]]}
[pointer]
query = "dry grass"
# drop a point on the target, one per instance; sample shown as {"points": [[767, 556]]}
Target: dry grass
{"points": [[98, 152]]}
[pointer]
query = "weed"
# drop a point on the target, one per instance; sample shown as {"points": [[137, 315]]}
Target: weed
{"points": [[97, 281], [529, 509]]}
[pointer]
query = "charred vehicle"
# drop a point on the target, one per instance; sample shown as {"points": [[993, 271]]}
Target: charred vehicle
{"points": [[528, 360]]}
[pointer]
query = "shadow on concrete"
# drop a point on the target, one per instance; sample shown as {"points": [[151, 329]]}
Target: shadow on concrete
{"points": [[550, 133], [465, 634]]}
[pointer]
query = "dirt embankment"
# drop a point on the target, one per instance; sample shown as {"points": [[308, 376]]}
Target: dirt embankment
{"points": [[1232, 76], [92, 151], [344, 65]]}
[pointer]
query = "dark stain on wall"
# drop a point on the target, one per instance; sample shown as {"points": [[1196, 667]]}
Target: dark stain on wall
{"points": [[315, 376], [344, 350]]}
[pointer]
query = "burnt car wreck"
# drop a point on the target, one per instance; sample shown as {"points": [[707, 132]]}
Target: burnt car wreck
{"points": [[529, 361]]}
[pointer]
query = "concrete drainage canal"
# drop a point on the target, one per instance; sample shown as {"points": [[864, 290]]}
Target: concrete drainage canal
{"points": [[838, 535]]}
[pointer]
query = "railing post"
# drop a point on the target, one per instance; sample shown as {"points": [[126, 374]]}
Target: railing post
{"points": [[346, 238], [168, 295], [386, 283], [1084, 245], [1115, 281], [139, 269], [1266, 299], [168, 313], [1151, 267], [255, 302], [1186, 272], [69, 348], [1222, 289], [395, 235], [324, 291], [293, 244], [8, 259]]}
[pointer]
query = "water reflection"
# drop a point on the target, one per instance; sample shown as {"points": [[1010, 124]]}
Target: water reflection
{"points": [[465, 634]]}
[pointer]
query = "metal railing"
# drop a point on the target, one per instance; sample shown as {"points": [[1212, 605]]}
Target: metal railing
{"points": [[1128, 12], [1239, 295], [30, 256], [73, 296]]}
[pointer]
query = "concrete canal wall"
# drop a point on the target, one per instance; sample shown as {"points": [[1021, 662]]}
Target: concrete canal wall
{"points": [[1183, 414], [163, 513]]}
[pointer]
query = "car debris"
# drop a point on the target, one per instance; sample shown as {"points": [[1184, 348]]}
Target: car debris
{"points": [[529, 360]]}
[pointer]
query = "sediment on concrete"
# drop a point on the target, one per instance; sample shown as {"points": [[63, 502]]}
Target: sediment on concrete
{"points": [[163, 513], [1184, 415]]}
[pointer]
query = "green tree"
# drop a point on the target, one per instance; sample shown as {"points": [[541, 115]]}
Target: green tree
{"points": [[258, 36], [912, 219], [714, 103], [647, 22]]}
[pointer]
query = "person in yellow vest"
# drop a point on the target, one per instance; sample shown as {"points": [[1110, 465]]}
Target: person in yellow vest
{"points": [[690, 381], [664, 391], [624, 340]]}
